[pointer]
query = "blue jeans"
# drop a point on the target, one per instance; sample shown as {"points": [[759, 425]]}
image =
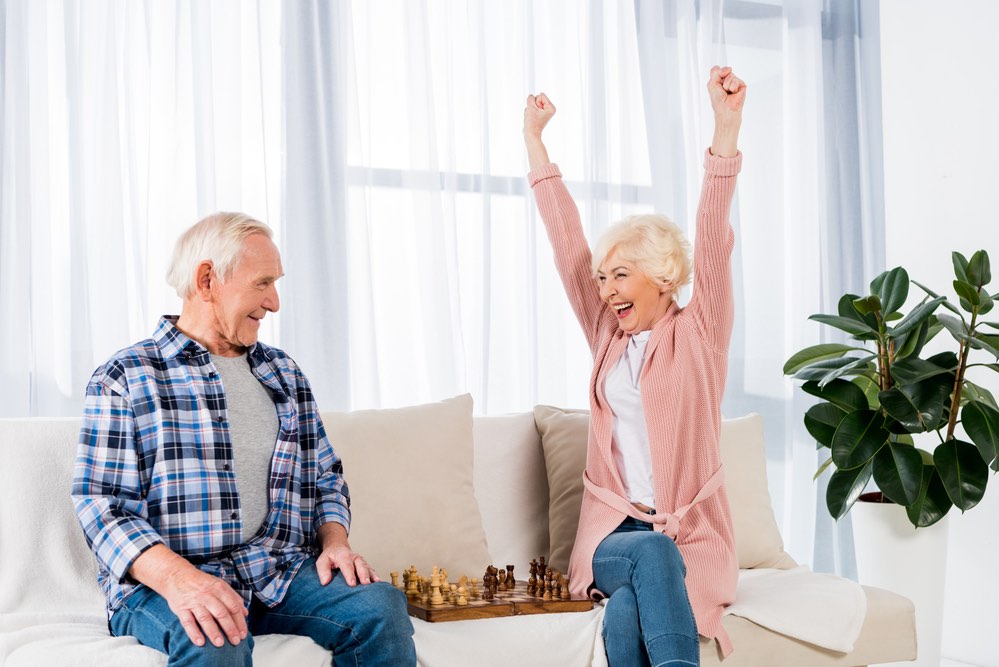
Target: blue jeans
{"points": [[364, 625], [648, 621]]}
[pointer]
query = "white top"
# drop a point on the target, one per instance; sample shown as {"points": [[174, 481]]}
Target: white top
{"points": [[630, 444]]}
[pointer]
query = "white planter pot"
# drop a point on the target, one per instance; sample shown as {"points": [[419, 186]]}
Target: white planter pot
{"points": [[893, 555]]}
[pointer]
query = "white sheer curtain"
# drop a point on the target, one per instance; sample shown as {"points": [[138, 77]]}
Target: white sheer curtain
{"points": [[382, 140]]}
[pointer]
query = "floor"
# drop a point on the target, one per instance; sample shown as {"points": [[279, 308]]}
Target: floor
{"points": [[954, 663]]}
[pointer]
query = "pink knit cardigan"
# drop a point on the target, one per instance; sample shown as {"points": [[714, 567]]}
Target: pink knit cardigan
{"points": [[682, 383]]}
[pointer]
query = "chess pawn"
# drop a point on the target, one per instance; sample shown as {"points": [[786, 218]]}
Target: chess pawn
{"points": [[462, 596], [453, 597], [566, 595], [412, 587], [475, 588], [532, 582], [487, 588], [511, 583], [541, 566], [501, 580], [395, 580], [548, 591]]}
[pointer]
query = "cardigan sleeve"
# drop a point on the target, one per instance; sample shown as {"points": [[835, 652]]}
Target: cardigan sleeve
{"points": [[572, 254], [712, 302]]}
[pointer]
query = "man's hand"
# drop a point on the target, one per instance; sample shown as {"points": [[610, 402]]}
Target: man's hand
{"points": [[204, 604], [337, 555]]}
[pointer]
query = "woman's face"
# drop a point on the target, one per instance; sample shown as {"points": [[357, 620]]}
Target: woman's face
{"points": [[634, 297]]}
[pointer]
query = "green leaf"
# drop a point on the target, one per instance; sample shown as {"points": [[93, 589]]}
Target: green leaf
{"points": [[845, 486], [956, 327], [946, 304], [898, 471], [821, 421], [914, 369], [912, 343], [918, 406], [891, 317], [892, 288], [841, 393], [820, 370], [979, 273], [814, 353], [846, 309], [932, 503], [822, 469], [849, 369], [986, 304], [966, 292], [981, 423], [858, 438], [980, 344], [867, 305], [960, 266], [870, 389], [845, 324], [916, 317], [963, 472], [972, 392]]}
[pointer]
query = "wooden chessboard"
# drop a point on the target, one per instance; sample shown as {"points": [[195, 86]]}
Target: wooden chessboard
{"points": [[506, 603]]}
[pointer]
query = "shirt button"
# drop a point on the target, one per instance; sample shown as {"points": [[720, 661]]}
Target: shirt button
{"points": [[225, 467], [234, 515], [220, 419], [213, 375]]}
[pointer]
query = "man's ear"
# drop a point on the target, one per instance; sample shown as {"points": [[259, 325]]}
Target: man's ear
{"points": [[204, 279]]}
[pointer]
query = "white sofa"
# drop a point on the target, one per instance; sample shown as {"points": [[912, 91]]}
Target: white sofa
{"points": [[419, 497]]}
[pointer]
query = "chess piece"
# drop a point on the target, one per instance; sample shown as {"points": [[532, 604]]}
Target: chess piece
{"points": [[412, 586], [487, 587], [436, 598], [453, 597], [462, 596], [493, 584], [566, 595], [532, 582], [548, 591], [511, 583], [501, 580], [395, 580], [475, 589]]}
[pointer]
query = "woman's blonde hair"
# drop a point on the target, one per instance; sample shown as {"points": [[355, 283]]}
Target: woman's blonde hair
{"points": [[653, 242], [218, 239]]}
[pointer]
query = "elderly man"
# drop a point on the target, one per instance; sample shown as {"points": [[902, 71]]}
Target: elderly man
{"points": [[207, 488]]}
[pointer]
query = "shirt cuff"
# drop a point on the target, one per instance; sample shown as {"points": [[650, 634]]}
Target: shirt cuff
{"points": [[549, 170], [722, 166]]}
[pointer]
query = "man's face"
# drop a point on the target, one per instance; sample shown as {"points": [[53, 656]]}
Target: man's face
{"points": [[248, 294]]}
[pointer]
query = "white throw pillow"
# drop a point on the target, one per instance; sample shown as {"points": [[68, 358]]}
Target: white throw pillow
{"points": [[757, 538], [409, 471]]}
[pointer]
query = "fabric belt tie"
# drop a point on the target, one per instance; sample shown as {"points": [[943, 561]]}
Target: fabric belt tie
{"points": [[669, 522]]}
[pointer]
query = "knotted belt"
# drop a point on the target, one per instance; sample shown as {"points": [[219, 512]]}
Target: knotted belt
{"points": [[671, 521]]}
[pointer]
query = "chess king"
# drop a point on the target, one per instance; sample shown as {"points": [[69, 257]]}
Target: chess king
{"points": [[206, 486]]}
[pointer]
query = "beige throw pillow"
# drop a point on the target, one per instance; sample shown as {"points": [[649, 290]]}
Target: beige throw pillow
{"points": [[563, 441], [409, 471], [757, 538]]}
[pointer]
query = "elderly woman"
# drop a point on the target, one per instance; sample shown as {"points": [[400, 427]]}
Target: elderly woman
{"points": [[655, 533]]}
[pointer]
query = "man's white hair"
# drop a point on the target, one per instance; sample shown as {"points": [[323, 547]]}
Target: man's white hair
{"points": [[217, 239]]}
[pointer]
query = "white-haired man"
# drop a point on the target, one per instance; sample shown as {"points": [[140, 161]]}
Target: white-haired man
{"points": [[207, 488]]}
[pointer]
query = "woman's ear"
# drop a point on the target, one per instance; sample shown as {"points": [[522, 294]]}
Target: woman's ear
{"points": [[665, 285]]}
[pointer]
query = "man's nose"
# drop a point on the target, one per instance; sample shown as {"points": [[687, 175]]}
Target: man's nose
{"points": [[272, 302]]}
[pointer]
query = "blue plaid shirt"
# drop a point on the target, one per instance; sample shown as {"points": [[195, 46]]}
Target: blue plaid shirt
{"points": [[155, 466]]}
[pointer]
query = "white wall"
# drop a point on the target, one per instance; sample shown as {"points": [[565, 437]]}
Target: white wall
{"points": [[940, 72]]}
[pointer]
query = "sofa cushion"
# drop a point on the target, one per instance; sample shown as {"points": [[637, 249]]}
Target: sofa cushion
{"points": [[409, 471], [563, 441], [511, 487], [758, 541]]}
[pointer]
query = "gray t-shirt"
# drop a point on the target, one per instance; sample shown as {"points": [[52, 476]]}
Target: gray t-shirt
{"points": [[253, 428]]}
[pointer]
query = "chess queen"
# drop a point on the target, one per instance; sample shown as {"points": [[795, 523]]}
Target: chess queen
{"points": [[655, 532]]}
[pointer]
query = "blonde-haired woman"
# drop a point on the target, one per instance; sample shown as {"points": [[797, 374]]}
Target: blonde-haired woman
{"points": [[655, 533]]}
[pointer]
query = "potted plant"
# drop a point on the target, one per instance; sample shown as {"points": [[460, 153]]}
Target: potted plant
{"points": [[878, 393]]}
